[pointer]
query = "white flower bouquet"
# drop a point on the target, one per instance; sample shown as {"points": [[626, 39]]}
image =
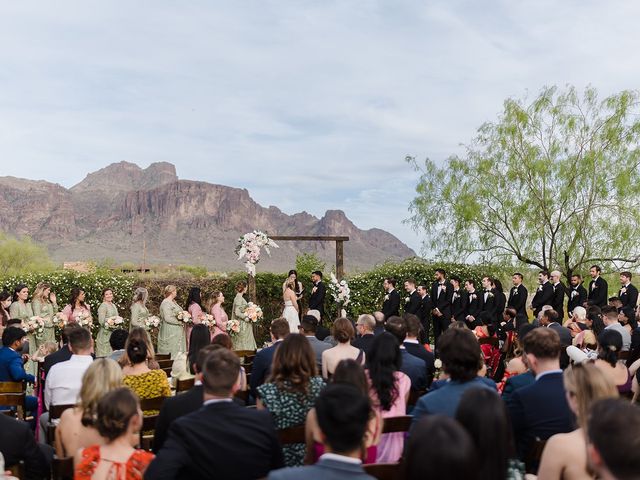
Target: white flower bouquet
{"points": [[233, 327], [152, 322], [185, 317], [114, 323], [253, 312], [34, 325], [249, 249], [207, 320], [60, 320], [84, 319]]}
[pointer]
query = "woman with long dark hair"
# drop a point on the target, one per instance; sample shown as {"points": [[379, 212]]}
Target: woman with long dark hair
{"points": [[291, 390], [200, 338], [609, 348], [194, 307], [77, 309], [389, 391], [5, 302]]}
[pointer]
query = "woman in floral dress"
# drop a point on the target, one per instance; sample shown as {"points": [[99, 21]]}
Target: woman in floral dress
{"points": [[21, 308], [106, 310], [139, 311], [44, 306], [244, 340], [171, 337]]}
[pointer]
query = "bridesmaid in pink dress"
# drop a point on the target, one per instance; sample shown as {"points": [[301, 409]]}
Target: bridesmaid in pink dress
{"points": [[76, 306], [194, 307], [219, 315]]}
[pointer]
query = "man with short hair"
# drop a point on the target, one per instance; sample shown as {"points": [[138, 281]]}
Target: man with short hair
{"points": [[488, 298], [413, 367], [11, 365], [391, 303], [412, 301], [365, 326], [459, 300], [262, 361], [559, 291], [413, 346], [184, 403], [221, 439], [550, 319], [441, 296], [321, 332], [379, 317], [474, 303], [577, 293], [318, 292], [117, 341], [613, 441], [610, 320], [540, 410], [544, 293], [615, 302], [518, 299], [308, 327], [343, 413], [424, 313], [598, 287], [628, 292]]}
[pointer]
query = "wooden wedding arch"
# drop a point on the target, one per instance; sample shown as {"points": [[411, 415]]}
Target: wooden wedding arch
{"points": [[308, 238]]}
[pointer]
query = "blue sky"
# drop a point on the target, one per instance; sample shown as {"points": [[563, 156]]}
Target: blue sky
{"points": [[310, 105]]}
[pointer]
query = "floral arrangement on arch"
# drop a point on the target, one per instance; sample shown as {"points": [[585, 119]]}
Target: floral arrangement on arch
{"points": [[253, 313], [340, 293], [249, 248]]}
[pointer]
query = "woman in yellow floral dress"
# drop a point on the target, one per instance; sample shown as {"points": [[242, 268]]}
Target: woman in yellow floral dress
{"points": [[146, 383]]}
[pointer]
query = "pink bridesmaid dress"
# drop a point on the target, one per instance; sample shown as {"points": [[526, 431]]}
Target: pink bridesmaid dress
{"points": [[221, 319]]}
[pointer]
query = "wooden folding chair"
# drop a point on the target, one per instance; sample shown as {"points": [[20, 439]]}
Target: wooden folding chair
{"points": [[147, 432], [292, 435], [493, 341], [62, 468], [414, 396], [12, 394], [162, 356], [184, 385], [383, 471], [165, 363], [154, 403], [401, 423], [55, 412]]}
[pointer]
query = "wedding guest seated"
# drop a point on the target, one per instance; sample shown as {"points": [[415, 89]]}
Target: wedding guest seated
{"points": [[141, 335], [343, 332], [439, 447], [389, 392], [461, 359], [577, 321], [483, 414], [62, 355], [565, 454], [634, 349], [613, 441], [364, 328], [516, 374], [44, 350], [540, 409], [262, 361], [118, 421], [415, 368], [65, 378], [11, 365], [17, 444], [609, 347], [224, 341], [343, 414], [486, 329], [585, 347], [348, 372], [117, 341], [292, 388], [379, 316], [610, 319], [627, 318], [322, 332], [550, 320], [77, 427], [221, 439], [146, 383], [412, 345], [183, 403], [308, 327]]}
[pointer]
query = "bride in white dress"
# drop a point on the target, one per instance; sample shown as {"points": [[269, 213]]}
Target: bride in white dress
{"points": [[290, 311]]}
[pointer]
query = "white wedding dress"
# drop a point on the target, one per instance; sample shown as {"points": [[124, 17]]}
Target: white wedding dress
{"points": [[291, 314]]}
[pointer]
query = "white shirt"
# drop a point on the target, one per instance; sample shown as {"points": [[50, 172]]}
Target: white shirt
{"points": [[217, 400], [65, 379], [340, 458]]}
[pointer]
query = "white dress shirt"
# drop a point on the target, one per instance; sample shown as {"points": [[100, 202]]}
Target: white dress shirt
{"points": [[64, 380]]}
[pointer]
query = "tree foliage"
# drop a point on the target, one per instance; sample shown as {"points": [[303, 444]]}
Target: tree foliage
{"points": [[22, 255], [553, 183]]}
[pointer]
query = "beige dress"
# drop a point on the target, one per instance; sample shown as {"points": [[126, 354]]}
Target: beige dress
{"points": [[171, 337]]}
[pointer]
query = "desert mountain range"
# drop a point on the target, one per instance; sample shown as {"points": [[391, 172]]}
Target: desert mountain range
{"points": [[114, 211]]}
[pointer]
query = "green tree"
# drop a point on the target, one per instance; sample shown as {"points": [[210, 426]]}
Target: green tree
{"points": [[307, 263], [22, 256], [553, 183]]}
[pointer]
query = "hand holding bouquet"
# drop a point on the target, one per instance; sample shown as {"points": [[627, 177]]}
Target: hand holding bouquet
{"points": [[252, 312]]}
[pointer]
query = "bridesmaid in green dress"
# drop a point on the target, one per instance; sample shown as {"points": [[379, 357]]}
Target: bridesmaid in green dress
{"points": [[244, 340], [44, 306], [139, 311], [106, 310], [171, 337], [22, 309]]}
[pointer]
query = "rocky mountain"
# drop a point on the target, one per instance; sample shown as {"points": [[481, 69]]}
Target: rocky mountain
{"points": [[124, 212]]}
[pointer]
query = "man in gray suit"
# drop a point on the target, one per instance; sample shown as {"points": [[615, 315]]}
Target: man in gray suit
{"points": [[308, 327], [343, 414]]}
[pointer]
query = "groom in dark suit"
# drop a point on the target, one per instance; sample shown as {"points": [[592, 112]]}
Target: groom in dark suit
{"points": [[391, 303], [412, 301], [628, 293], [441, 296], [598, 288], [318, 292]]}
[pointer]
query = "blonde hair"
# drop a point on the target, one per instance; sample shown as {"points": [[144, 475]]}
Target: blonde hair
{"points": [[169, 289], [48, 348], [587, 383], [213, 299], [38, 294], [102, 376]]}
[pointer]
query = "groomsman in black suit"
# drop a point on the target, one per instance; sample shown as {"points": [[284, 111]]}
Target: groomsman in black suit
{"points": [[474, 303], [424, 313], [459, 300], [559, 291], [577, 293], [441, 295], [412, 301], [598, 287], [318, 292], [518, 300], [544, 294], [628, 293], [391, 304], [488, 298]]}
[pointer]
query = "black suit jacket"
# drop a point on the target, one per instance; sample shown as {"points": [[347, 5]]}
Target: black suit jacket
{"points": [[316, 300], [220, 440], [424, 312], [518, 301], [543, 296], [630, 297], [18, 444], [261, 367], [501, 303], [598, 292], [413, 305], [578, 299], [474, 305], [364, 343], [459, 302], [174, 408], [489, 305], [558, 299], [391, 306], [419, 351], [442, 301]]}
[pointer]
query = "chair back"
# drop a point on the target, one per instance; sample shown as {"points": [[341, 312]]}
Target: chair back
{"points": [[184, 385], [493, 341], [533, 456], [383, 471], [55, 411], [12, 394], [154, 403], [165, 363], [291, 435], [623, 355], [242, 395], [62, 468], [400, 423], [414, 396], [146, 432], [162, 356]]}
